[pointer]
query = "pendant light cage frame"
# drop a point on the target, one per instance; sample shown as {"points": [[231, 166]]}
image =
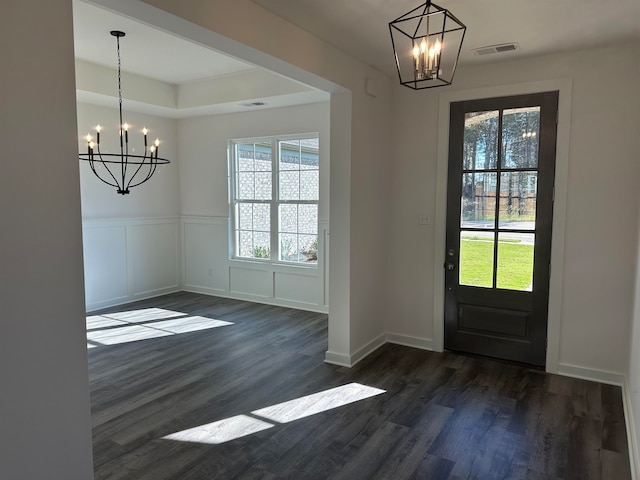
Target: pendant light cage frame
{"points": [[427, 42]]}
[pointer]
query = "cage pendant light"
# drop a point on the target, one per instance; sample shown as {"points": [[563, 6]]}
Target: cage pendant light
{"points": [[122, 170], [426, 43]]}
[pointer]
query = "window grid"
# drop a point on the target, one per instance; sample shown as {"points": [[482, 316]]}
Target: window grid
{"points": [[288, 233]]}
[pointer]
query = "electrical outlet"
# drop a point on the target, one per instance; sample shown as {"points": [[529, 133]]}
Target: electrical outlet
{"points": [[424, 220]]}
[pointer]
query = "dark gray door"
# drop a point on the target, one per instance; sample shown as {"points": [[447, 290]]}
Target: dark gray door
{"points": [[499, 217]]}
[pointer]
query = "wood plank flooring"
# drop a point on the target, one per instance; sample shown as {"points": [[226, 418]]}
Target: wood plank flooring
{"points": [[210, 404]]}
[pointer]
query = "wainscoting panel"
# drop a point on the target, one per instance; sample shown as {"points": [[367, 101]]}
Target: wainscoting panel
{"points": [[105, 265], [206, 254], [207, 268], [154, 258], [298, 288], [130, 259], [256, 283]]}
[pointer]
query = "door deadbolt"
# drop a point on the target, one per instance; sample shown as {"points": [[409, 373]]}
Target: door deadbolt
{"points": [[451, 252]]}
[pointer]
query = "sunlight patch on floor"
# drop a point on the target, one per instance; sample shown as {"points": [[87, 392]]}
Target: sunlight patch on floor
{"points": [[317, 403], [221, 431], [135, 325], [239, 426]]}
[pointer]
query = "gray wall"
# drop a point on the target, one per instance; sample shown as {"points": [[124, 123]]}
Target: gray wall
{"points": [[45, 416]]}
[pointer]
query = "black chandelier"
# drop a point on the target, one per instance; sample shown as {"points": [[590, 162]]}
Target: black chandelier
{"points": [[122, 170], [426, 44]]}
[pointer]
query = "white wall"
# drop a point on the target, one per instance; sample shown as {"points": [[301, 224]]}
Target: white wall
{"points": [[601, 215], [156, 198], [45, 416], [205, 209], [360, 148], [172, 232], [131, 244], [632, 390]]}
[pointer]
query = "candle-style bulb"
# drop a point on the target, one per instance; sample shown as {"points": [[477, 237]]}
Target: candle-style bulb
{"points": [[423, 45], [125, 126], [91, 145], [153, 149], [438, 46], [145, 131], [98, 128], [416, 52], [88, 137], [157, 143]]}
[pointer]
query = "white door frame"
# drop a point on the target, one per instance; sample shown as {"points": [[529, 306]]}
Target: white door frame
{"points": [[563, 86]]}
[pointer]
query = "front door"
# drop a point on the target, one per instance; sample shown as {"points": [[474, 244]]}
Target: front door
{"points": [[499, 217]]}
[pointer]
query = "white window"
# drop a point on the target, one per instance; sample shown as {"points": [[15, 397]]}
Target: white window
{"points": [[274, 187]]}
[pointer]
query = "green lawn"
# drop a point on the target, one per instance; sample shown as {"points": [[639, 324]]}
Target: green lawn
{"points": [[515, 264]]}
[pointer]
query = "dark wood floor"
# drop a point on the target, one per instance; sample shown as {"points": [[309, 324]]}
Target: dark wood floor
{"points": [[442, 416]]}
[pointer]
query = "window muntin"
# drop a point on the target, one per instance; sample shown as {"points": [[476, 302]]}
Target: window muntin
{"points": [[274, 199]]}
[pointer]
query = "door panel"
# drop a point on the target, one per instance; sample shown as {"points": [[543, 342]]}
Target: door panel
{"points": [[499, 216]]}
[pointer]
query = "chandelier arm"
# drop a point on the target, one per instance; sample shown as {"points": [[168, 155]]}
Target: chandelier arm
{"points": [[152, 169], [144, 158], [93, 168], [101, 160]]}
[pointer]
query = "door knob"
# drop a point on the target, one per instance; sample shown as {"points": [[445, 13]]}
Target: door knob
{"points": [[450, 266]]}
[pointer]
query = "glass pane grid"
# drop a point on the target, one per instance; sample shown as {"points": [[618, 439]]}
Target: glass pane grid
{"points": [[297, 193], [478, 200], [253, 230], [476, 259], [515, 261], [520, 137], [499, 199], [298, 229]]}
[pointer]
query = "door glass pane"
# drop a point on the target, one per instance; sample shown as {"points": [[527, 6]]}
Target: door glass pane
{"points": [[480, 140], [520, 135], [515, 261], [478, 208], [518, 192], [476, 258]]}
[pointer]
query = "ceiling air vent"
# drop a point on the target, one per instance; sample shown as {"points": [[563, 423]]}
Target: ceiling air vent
{"points": [[493, 49]]}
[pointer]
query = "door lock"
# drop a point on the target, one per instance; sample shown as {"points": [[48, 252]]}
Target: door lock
{"points": [[450, 266]]}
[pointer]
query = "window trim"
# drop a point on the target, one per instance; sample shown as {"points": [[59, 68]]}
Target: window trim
{"points": [[274, 203]]}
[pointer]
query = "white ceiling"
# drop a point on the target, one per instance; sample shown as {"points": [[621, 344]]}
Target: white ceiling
{"points": [[360, 27], [145, 50]]}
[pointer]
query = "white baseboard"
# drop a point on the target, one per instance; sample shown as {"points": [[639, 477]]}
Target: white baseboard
{"points": [[632, 439], [408, 341], [92, 307], [345, 360], [338, 359], [595, 375], [309, 307], [368, 349]]}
